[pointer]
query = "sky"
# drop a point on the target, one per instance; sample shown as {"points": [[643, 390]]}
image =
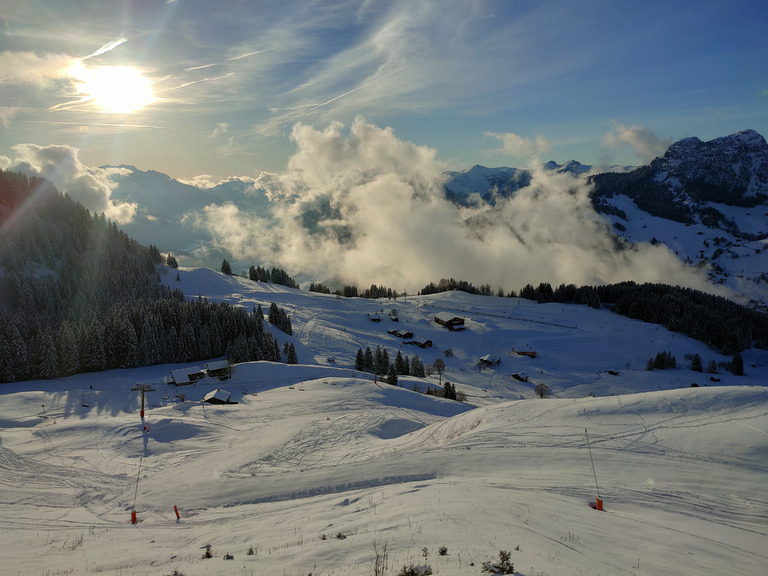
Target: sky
{"points": [[336, 122], [212, 90]]}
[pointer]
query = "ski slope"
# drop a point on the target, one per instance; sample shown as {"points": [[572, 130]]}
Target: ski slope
{"points": [[316, 463]]}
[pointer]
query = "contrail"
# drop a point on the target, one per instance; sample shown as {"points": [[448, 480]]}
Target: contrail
{"points": [[222, 62], [107, 124], [316, 106], [107, 47], [185, 84]]}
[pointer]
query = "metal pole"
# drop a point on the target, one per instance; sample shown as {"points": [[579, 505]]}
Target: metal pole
{"points": [[137, 484], [593, 463]]}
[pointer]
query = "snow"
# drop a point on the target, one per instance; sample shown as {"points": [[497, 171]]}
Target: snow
{"points": [[317, 462]]}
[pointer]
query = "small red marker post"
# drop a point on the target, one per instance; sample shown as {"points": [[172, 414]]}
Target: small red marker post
{"points": [[133, 516], [175, 509]]}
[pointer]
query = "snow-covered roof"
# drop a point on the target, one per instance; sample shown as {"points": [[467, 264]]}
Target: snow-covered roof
{"points": [[182, 374], [217, 395], [447, 316], [217, 365]]}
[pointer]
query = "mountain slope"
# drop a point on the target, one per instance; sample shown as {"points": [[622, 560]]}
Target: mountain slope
{"points": [[318, 468]]}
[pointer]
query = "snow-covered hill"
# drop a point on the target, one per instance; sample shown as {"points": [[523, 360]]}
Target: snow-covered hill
{"points": [[318, 467]]}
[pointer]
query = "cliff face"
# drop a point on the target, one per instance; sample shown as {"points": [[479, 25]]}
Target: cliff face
{"points": [[731, 170]]}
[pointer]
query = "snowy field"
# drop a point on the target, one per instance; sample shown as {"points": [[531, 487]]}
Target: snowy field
{"points": [[318, 466]]}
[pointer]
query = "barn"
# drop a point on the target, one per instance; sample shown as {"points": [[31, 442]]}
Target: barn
{"points": [[450, 321], [220, 369], [188, 375], [218, 396], [489, 360]]}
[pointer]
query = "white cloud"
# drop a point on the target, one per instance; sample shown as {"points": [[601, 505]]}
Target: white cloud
{"points": [[61, 165], [29, 68], [644, 141], [366, 207], [221, 129], [519, 147], [6, 113]]}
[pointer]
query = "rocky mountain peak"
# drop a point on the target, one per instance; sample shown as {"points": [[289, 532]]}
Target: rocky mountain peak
{"points": [[732, 169]]}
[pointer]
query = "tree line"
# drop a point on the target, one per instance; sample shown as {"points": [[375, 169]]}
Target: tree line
{"points": [[78, 295], [718, 322]]}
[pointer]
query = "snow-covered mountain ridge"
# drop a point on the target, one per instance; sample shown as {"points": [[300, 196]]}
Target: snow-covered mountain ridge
{"points": [[707, 201], [321, 469], [701, 199], [731, 170]]}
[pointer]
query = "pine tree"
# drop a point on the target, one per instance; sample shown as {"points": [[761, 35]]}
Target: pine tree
{"points": [[6, 367], [417, 367], [392, 376], [369, 362], [292, 357], [696, 363], [400, 364], [93, 357], [187, 349], [69, 358], [360, 360], [737, 364], [46, 361], [226, 268]]}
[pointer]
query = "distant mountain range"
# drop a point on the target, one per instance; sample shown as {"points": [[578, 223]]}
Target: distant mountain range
{"points": [[480, 185], [708, 201]]}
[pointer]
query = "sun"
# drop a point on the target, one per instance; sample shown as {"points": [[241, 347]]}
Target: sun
{"points": [[115, 89]]}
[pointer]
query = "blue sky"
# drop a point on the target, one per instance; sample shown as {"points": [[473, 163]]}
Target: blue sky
{"points": [[479, 82]]}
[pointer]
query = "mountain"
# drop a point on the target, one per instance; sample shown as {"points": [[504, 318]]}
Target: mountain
{"points": [[484, 185], [481, 185], [731, 170], [320, 468], [707, 201], [164, 206], [693, 176]]}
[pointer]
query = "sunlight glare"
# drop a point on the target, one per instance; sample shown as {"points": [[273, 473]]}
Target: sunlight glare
{"points": [[115, 89]]}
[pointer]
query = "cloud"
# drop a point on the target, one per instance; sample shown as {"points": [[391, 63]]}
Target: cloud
{"points": [[61, 165], [220, 130], [644, 141], [519, 147], [29, 68], [363, 206], [6, 113]]}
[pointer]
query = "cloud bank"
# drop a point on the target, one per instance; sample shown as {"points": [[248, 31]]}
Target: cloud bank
{"points": [[362, 206]]}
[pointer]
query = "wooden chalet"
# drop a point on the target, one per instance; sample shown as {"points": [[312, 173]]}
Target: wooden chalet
{"points": [[450, 321], [220, 369], [420, 342], [529, 353], [489, 360], [401, 333], [218, 396], [188, 375]]}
